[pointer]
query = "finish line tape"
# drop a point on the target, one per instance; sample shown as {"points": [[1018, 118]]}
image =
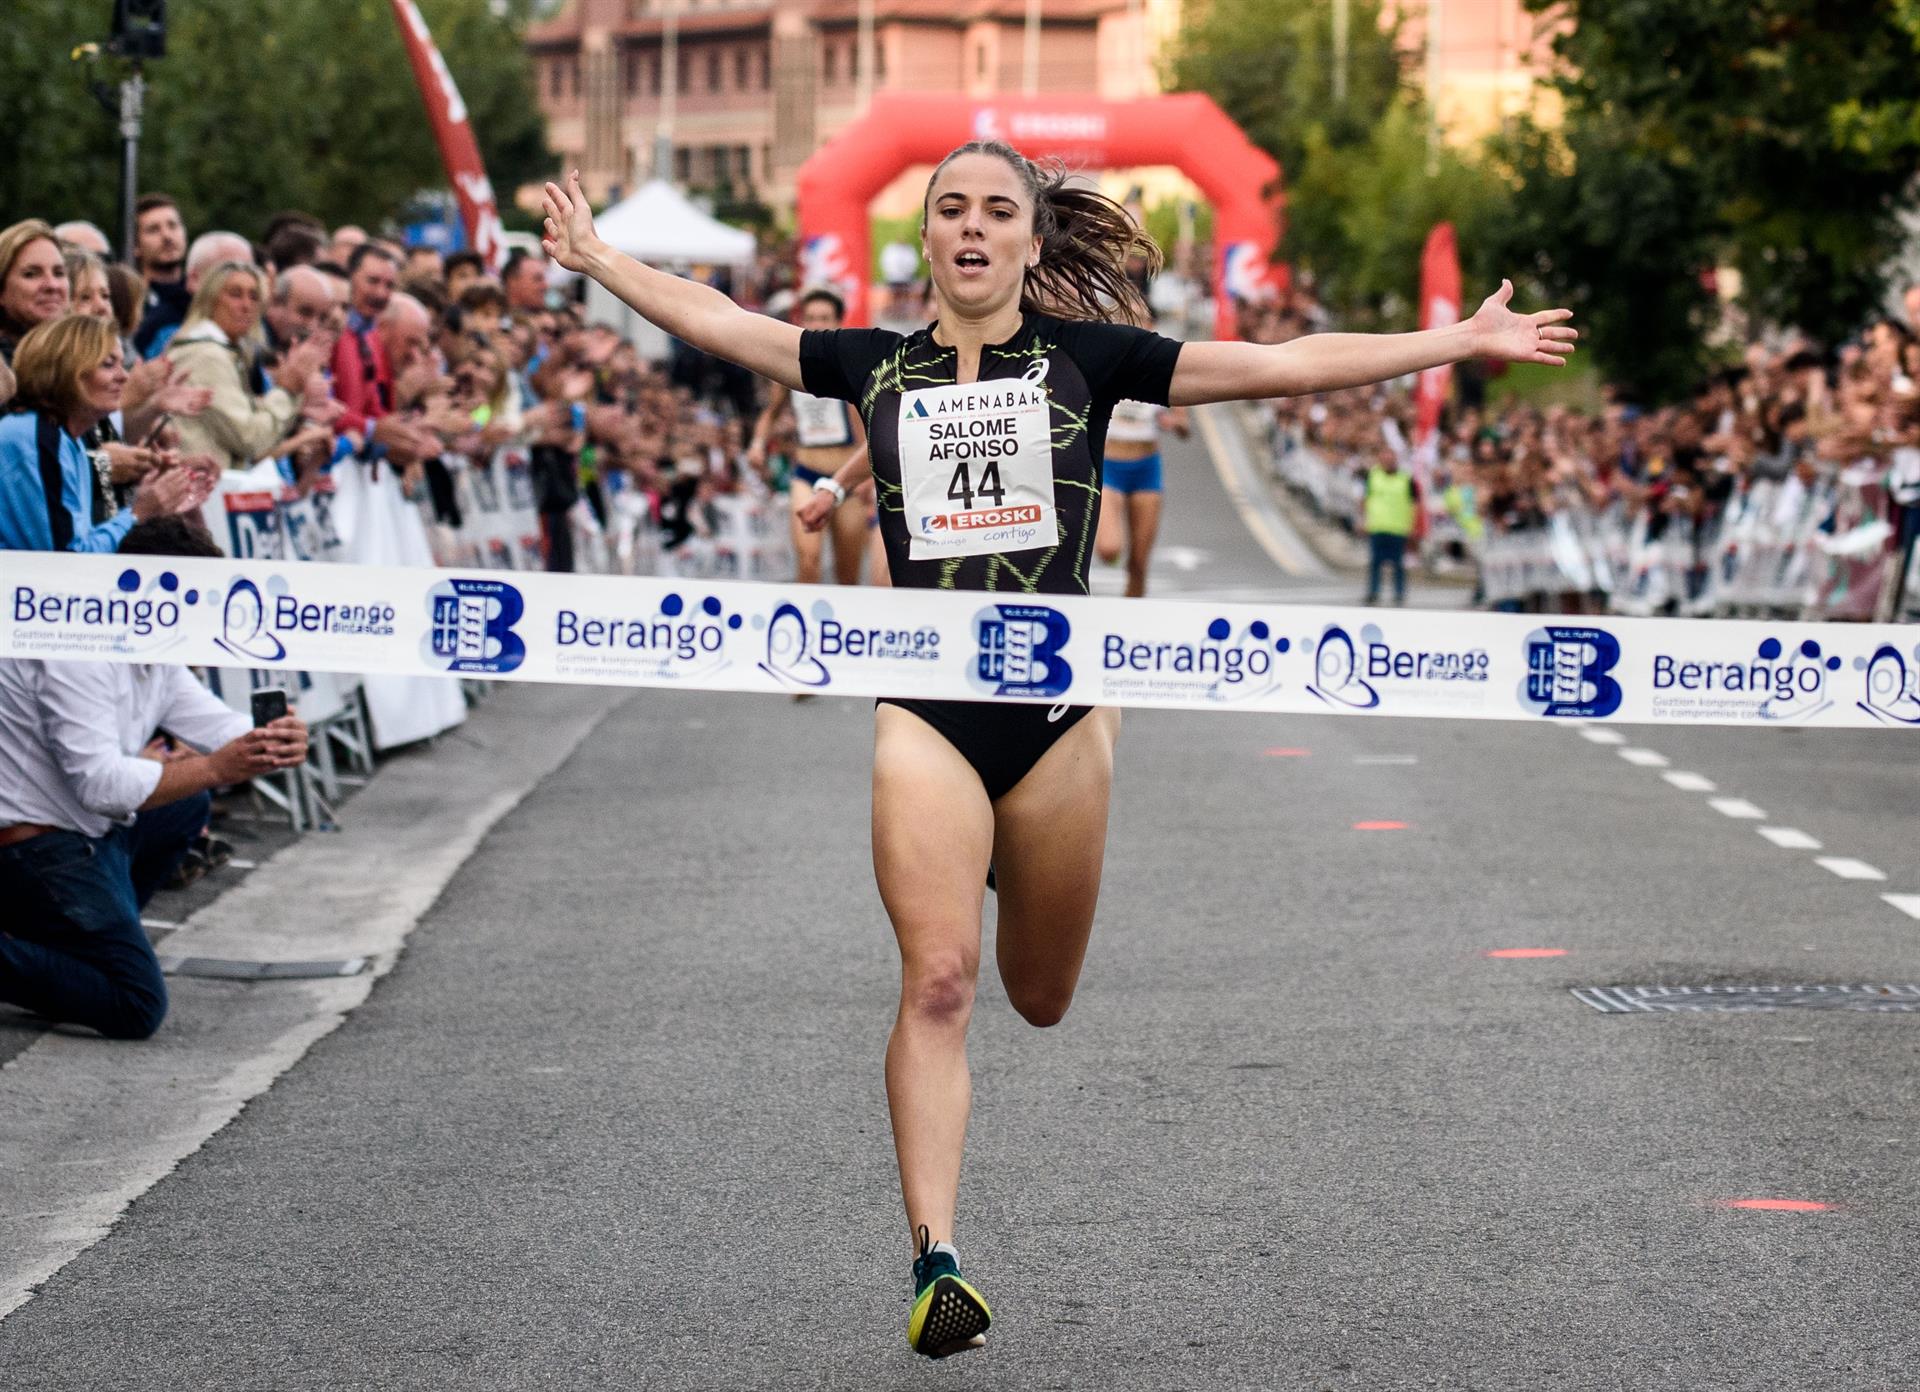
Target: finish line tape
{"points": [[295, 616]]}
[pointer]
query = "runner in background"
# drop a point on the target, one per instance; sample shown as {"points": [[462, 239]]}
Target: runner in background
{"points": [[1130, 491], [825, 432]]}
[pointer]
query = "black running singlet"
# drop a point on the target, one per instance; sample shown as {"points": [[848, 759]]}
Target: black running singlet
{"points": [[994, 485]]}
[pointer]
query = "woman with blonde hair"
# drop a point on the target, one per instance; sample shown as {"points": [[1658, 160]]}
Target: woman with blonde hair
{"points": [[33, 281], [71, 377], [218, 347]]}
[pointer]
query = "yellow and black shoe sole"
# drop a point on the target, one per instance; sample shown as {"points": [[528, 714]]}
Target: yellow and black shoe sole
{"points": [[948, 1318]]}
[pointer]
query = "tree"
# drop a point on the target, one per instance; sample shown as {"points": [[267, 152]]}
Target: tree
{"points": [[261, 105], [1363, 186], [1610, 231], [1784, 130]]}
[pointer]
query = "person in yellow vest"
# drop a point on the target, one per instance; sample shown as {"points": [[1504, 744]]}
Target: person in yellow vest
{"points": [[1392, 508]]}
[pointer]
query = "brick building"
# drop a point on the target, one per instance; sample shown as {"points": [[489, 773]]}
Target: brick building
{"points": [[760, 84]]}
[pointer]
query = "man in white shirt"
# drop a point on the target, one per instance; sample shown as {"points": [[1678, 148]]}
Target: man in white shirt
{"points": [[97, 807]]}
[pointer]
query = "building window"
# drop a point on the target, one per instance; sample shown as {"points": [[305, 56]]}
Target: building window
{"points": [[713, 72], [683, 73], [740, 56], [574, 77], [766, 70], [829, 64], [879, 61], [653, 76], [630, 73], [980, 61], [553, 79], [683, 164], [743, 166]]}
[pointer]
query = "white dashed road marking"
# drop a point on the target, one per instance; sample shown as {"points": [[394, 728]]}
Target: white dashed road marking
{"points": [[1690, 782], [1645, 758], [1598, 736], [1848, 868], [1387, 759], [1908, 904], [1736, 807], [1789, 838]]}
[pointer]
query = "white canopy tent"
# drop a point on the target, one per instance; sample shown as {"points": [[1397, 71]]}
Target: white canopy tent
{"points": [[659, 225]]}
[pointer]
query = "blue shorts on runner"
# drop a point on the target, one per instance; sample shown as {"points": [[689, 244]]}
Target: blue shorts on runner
{"points": [[1132, 475]]}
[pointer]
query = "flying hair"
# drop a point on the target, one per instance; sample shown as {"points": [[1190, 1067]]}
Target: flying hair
{"points": [[1086, 240]]}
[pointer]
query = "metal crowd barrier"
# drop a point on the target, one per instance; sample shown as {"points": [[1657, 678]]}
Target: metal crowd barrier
{"points": [[1778, 548]]}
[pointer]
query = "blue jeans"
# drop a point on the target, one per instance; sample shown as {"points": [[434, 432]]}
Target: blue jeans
{"points": [[73, 949], [1385, 550]]}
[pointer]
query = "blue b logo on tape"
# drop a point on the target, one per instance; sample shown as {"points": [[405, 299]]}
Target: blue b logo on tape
{"points": [[1020, 651], [1567, 673], [472, 627]]}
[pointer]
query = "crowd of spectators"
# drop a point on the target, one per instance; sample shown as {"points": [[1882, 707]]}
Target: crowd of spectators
{"points": [[133, 393], [1787, 415]]}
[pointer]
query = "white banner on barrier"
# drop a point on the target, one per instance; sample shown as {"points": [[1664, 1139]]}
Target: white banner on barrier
{"points": [[739, 636]]}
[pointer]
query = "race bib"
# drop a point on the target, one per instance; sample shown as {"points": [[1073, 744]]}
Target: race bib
{"points": [[976, 467], [821, 421]]}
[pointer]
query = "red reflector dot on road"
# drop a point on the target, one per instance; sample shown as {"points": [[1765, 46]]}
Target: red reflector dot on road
{"points": [[1778, 1205], [1380, 826], [1528, 952], [1289, 753]]}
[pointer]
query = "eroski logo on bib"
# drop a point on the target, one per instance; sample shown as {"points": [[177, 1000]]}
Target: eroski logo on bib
{"points": [[1020, 651], [976, 467], [472, 626], [1224, 663], [797, 647]]}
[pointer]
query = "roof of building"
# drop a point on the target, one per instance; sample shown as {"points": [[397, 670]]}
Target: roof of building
{"points": [[564, 28]]}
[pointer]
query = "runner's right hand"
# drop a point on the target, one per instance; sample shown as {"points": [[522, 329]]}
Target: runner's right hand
{"points": [[816, 510], [568, 235]]}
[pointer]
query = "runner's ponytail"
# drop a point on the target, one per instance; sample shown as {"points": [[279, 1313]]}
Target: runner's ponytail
{"points": [[1086, 240]]}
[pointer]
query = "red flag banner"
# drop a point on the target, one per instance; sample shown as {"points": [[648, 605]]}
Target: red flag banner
{"points": [[1439, 307], [453, 133]]}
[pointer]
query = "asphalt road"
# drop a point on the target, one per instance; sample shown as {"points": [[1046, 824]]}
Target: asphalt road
{"points": [[615, 1119]]}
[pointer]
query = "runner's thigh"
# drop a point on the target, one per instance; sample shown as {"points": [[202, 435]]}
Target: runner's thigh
{"points": [[932, 835], [1050, 840]]}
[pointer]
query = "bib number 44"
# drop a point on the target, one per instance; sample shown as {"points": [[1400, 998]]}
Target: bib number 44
{"points": [[963, 490]]}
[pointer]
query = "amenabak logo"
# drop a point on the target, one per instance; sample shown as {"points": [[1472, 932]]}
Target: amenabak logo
{"points": [[1019, 652]]}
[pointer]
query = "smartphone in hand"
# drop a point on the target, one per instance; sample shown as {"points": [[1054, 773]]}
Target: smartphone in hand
{"points": [[269, 704]]}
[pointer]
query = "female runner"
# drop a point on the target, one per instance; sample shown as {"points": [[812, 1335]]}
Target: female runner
{"points": [[1130, 487], [1026, 270], [824, 432]]}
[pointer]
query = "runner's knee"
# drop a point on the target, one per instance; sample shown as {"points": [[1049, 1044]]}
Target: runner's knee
{"points": [[938, 989], [1040, 1006]]}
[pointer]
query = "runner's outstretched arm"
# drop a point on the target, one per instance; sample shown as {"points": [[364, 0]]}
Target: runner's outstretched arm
{"points": [[695, 313], [1329, 362]]}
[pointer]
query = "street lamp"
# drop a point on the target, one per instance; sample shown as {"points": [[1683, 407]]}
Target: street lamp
{"points": [[139, 33]]}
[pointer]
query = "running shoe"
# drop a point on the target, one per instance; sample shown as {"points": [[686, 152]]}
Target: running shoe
{"points": [[948, 1314]]}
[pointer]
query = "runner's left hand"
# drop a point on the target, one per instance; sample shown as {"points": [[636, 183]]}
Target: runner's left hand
{"points": [[1504, 336]]}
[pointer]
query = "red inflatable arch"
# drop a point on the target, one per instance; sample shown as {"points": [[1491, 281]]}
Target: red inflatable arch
{"points": [[1187, 131]]}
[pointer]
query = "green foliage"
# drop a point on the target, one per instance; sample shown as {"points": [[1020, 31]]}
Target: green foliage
{"points": [[1270, 66], [1778, 136], [1363, 187], [1162, 223], [263, 105], [1609, 230], [1362, 214]]}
